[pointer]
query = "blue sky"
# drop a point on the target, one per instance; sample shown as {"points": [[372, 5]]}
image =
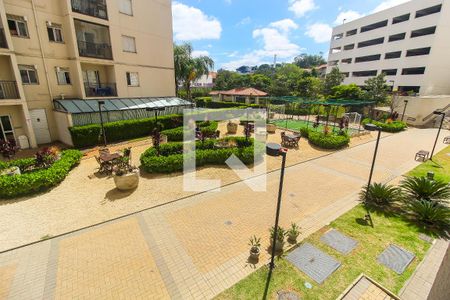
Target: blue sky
{"points": [[250, 32]]}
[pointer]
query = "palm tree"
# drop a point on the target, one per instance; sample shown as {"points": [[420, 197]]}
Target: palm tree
{"points": [[421, 188], [188, 68]]}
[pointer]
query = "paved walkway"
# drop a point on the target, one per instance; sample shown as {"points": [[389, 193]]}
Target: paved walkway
{"points": [[197, 247]]}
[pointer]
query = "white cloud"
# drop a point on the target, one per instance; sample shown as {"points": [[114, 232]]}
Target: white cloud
{"points": [[244, 21], [275, 40], [197, 53], [348, 16], [301, 7], [320, 32], [190, 23], [388, 4]]}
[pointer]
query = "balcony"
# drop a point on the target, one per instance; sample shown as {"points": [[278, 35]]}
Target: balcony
{"points": [[3, 43], [93, 40], [100, 89], [8, 90], [94, 8]]}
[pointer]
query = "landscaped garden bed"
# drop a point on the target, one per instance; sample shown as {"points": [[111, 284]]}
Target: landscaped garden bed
{"points": [[42, 172], [207, 128], [388, 125], [208, 152]]}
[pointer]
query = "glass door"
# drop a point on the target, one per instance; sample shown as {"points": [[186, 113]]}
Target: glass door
{"points": [[6, 129]]}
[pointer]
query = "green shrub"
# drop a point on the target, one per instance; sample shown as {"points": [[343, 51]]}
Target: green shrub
{"points": [[22, 163], [177, 134], [328, 141], [39, 180], [305, 132], [430, 213], [421, 188], [379, 194], [85, 136], [89, 135], [171, 155], [394, 126]]}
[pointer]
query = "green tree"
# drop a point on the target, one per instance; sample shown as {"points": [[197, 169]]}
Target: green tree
{"points": [[306, 61], [265, 69], [188, 68], [376, 89], [260, 82], [350, 91], [310, 87], [332, 79]]}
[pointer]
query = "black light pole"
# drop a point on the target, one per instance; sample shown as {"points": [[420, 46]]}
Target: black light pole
{"points": [[100, 103], [155, 110], [441, 113], [404, 109], [371, 127]]}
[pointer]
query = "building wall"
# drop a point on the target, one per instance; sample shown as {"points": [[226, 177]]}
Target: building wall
{"points": [[437, 63], [150, 25], [420, 107]]}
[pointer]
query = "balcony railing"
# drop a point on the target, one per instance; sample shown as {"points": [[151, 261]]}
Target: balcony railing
{"points": [[95, 50], [100, 89], [9, 90], [95, 8], [3, 43]]}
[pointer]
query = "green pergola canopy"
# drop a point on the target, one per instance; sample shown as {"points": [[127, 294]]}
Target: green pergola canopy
{"points": [[80, 106], [329, 102]]}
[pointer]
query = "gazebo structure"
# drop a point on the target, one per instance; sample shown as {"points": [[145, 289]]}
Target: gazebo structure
{"points": [[239, 95]]}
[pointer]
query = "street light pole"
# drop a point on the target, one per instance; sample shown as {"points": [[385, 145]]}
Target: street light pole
{"points": [[404, 110], [100, 103], [441, 113]]}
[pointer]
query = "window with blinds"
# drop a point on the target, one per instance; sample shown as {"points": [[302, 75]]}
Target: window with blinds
{"points": [[132, 79], [128, 44]]}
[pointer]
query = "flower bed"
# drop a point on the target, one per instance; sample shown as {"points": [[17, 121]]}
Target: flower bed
{"points": [[171, 154], [37, 180], [388, 126], [176, 134]]}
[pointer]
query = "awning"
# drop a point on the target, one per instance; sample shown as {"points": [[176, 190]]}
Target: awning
{"points": [[79, 106]]}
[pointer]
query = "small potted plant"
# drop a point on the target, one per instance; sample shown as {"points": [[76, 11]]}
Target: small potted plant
{"points": [[232, 127], [255, 246], [293, 233], [126, 177], [279, 244], [271, 128]]}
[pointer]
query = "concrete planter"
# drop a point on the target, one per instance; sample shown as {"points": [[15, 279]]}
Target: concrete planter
{"points": [[271, 128], [232, 128], [128, 181]]}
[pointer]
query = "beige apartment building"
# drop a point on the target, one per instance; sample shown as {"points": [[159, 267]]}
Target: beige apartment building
{"points": [[81, 50]]}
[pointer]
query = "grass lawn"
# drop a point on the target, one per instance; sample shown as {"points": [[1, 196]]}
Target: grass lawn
{"points": [[297, 124], [388, 229], [440, 166]]}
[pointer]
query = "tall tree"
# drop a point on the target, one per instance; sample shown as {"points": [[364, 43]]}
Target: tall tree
{"points": [[376, 89], [332, 79], [188, 68], [306, 61]]}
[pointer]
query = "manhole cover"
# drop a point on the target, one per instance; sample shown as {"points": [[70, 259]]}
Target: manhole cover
{"points": [[396, 258], [339, 241], [287, 295], [228, 222]]}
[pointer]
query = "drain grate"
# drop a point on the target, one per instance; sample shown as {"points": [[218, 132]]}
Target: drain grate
{"points": [[339, 241], [396, 258]]}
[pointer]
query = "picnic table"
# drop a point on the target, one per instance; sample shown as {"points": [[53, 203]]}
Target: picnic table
{"points": [[290, 139], [107, 157]]}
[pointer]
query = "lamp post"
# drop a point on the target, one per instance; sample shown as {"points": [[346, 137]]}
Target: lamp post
{"points": [[441, 113], [404, 109], [371, 127], [155, 110], [273, 149], [100, 103]]}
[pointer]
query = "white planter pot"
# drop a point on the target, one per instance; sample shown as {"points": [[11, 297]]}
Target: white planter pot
{"points": [[128, 181]]}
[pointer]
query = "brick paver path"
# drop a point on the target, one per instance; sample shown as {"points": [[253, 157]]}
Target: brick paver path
{"points": [[197, 247]]}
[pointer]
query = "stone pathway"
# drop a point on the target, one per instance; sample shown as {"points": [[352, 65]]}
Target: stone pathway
{"points": [[197, 247]]}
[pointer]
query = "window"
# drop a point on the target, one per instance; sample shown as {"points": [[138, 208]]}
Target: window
{"points": [[62, 75], [390, 72], [365, 73], [338, 36], [346, 61], [54, 33], [349, 47], [428, 11], [368, 58], [128, 44], [400, 19], [333, 63], [351, 32], [17, 26], [6, 129], [346, 74], [391, 55], [374, 26], [413, 71], [423, 31], [419, 51], [397, 37], [28, 74], [132, 79], [126, 7], [371, 42], [336, 50], [409, 89]]}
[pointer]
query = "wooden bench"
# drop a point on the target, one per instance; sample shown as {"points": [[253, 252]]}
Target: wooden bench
{"points": [[422, 154], [447, 140]]}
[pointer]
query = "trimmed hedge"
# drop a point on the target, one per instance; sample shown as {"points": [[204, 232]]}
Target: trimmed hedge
{"points": [[171, 155], [394, 126], [329, 141], [176, 134], [89, 135], [208, 103], [40, 180]]}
